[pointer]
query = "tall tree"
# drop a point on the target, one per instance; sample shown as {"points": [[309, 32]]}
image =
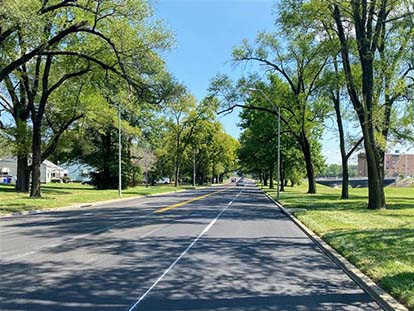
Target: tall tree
{"points": [[375, 77], [303, 119], [293, 55], [68, 39], [184, 115]]}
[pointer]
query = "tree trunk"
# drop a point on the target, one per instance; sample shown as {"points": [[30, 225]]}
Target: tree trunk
{"points": [[345, 179], [200, 178], [177, 173], [271, 181], [23, 174], [375, 165], [36, 160], [265, 179], [344, 158], [306, 149]]}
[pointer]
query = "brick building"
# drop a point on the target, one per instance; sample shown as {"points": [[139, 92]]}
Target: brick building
{"points": [[395, 164]]}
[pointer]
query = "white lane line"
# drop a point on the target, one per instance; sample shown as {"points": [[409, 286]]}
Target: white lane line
{"points": [[208, 227]]}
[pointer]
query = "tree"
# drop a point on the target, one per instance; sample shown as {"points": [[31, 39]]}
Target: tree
{"points": [[184, 119], [193, 134], [376, 27], [333, 84], [258, 149], [299, 63], [68, 39], [5, 146], [303, 119], [146, 160], [259, 143], [295, 59]]}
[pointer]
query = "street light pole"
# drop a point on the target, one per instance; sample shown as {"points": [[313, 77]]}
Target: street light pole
{"points": [[278, 154], [119, 154], [277, 110], [194, 168]]}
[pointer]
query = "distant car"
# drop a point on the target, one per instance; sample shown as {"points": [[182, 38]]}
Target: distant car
{"points": [[86, 181], [240, 183], [234, 179], [164, 180]]}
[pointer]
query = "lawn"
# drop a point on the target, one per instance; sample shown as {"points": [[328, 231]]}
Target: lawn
{"points": [[59, 195], [380, 243]]}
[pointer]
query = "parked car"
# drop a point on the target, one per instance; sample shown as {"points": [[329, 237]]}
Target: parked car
{"points": [[240, 183], [86, 181], [163, 180], [233, 179]]}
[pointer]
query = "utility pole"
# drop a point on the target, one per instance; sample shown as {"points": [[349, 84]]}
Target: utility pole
{"points": [[119, 154], [278, 154], [277, 110], [194, 168]]}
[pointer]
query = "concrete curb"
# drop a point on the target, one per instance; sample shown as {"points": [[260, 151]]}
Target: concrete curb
{"points": [[385, 300], [86, 204]]}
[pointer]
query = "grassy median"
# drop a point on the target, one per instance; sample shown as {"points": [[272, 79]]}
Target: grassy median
{"points": [[380, 243], [59, 195]]}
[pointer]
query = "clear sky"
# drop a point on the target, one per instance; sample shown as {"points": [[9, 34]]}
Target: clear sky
{"points": [[206, 32]]}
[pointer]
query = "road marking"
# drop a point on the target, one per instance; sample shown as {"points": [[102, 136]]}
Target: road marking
{"points": [[81, 236], [205, 230], [167, 208]]}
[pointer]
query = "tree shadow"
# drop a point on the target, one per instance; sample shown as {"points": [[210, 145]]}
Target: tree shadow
{"points": [[253, 258], [218, 274], [388, 250], [402, 285]]}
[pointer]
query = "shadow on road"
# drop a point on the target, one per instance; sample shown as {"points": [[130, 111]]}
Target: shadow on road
{"points": [[227, 270]]}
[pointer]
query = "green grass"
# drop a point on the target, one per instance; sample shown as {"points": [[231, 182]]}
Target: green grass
{"points": [[380, 243], [59, 195]]}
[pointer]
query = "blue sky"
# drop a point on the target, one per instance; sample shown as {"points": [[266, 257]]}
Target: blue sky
{"points": [[206, 32]]}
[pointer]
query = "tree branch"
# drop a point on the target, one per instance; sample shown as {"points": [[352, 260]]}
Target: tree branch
{"points": [[99, 63], [350, 152], [4, 35], [28, 56], [66, 77], [276, 67], [51, 147]]}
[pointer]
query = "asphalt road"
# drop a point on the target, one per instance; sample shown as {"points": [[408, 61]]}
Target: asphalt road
{"points": [[227, 248]]}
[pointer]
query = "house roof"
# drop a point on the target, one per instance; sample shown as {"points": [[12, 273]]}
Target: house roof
{"points": [[50, 164], [45, 162]]}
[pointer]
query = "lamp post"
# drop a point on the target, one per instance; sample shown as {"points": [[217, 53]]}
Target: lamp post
{"points": [[277, 110], [194, 168], [119, 153]]}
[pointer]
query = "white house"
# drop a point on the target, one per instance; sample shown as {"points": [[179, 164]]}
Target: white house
{"points": [[48, 171]]}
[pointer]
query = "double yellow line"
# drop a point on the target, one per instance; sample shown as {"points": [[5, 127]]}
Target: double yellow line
{"points": [[167, 208]]}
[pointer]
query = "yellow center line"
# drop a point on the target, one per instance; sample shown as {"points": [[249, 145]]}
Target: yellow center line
{"points": [[167, 208]]}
